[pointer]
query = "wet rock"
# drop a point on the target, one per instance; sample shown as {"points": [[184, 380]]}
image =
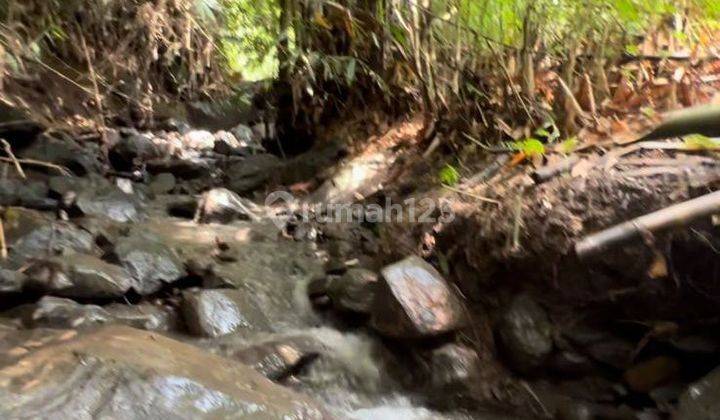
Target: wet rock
{"points": [[601, 346], [212, 313], [109, 202], [226, 143], [526, 334], [243, 134], [144, 316], [650, 374], [55, 312], [277, 358], [199, 140], [454, 369], [252, 172], [701, 400], [414, 301], [221, 205], [162, 183], [79, 276], [129, 152], [11, 281], [80, 159], [24, 193], [102, 370], [183, 207], [147, 260], [354, 291]]}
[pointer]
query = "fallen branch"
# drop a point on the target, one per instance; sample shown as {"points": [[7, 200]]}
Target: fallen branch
{"points": [[550, 171], [676, 215], [475, 196], [12, 157], [32, 162]]}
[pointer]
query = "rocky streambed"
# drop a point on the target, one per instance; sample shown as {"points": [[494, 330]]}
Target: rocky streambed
{"points": [[149, 279]]}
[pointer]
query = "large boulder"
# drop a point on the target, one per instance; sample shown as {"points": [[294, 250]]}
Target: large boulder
{"points": [[212, 313], [199, 140], [124, 373], [24, 193], [526, 334], [147, 260], [454, 370], [12, 281], [701, 400], [79, 276], [80, 159], [221, 205], [129, 152], [109, 202], [414, 301]]}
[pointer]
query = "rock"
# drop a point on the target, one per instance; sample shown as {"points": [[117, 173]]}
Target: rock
{"points": [[414, 301], [125, 185], [199, 140], [701, 400], [650, 374], [221, 205], [129, 152], [25, 193], [252, 172], [144, 316], [55, 312], [11, 281], [79, 276], [243, 134], [526, 334], [212, 313], [124, 373], [79, 159], [225, 141], [354, 291], [109, 202], [601, 346], [454, 369], [183, 207], [277, 358], [162, 183], [33, 235], [180, 168], [147, 260]]}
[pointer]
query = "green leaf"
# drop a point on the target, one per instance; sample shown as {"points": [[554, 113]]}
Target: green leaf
{"points": [[350, 71], [530, 147], [569, 145], [449, 175], [700, 142]]}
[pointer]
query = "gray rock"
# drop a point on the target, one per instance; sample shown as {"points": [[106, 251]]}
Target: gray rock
{"points": [[414, 301], [454, 369], [11, 281], [144, 316], [199, 140], [24, 193], [55, 312], [181, 168], [701, 400], [354, 291], [79, 159], [147, 260], [526, 334], [129, 152], [163, 183], [252, 172], [79, 276], [109, 202], [221, 205], [243, 134], [124, 373], [212, 313]]}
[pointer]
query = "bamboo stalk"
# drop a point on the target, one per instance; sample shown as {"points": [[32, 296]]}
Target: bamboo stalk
{"points": [[673, 216]]}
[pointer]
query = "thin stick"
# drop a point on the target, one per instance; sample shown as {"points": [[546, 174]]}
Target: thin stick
{"points": [[475, 196], [536, 398], [3, 244], [32, 162], [12, 157], [676, 215]]}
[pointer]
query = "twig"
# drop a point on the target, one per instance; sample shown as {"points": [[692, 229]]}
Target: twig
{"points": [[475, 196], [12, 157], [3, 244], [536, 398], [550, 171], [32, 162], [676, 215]]}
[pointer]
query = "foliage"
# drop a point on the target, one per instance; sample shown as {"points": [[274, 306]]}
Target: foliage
{"points": [[529, 147], [700, 142], [449, 175]]}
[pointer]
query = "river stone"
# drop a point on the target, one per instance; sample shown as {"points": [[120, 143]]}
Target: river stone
{"points": [[199, 140], [11, 281], [454, 369], [252, 172], [123, 373], [110, 202], [55, 312], [525, 333], [24, 193], [147, 260], [144, 316], [131, 151], [180, 168], [221, 205], [701, 400], [79, 276], [163, 183], [354, 291], [414, 301], [212, 313], [79, 159]]}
